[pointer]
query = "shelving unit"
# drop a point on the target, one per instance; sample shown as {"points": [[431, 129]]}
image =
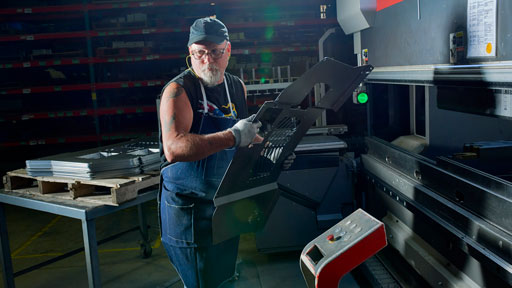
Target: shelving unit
{"points": [[79, 113], [88, 72]]}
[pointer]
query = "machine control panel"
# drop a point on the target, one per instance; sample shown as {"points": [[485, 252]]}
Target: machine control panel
{"points": [[341, 248]]}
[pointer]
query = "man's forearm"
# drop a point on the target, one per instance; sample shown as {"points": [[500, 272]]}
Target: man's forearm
{"points": [[192, 147]]}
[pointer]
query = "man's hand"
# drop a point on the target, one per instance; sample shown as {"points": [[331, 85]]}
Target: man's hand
{"points": [[245, 131], [288, 161]]}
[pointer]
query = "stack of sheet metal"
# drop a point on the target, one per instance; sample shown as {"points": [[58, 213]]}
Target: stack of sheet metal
{"points": [[123, 159]]}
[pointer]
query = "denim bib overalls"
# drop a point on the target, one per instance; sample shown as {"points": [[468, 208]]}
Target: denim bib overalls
{"points": [[186, 207]]}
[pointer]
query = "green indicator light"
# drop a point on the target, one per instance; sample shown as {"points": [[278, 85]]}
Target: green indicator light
{"points": [[124, 85], [262, 80], [61, 140], [139, 110], [8, 65], [57, 62], [120, 111], [69, 113], [42, 63], [75, 61], [362, 98]]}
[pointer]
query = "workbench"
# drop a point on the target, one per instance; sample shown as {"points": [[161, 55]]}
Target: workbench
{"points": [[86, 212]]}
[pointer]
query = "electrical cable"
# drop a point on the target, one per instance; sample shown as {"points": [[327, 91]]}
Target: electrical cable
{"points": [[190, 68]]}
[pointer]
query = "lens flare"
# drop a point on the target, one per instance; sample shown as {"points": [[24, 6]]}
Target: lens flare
{"points": [[269, 33]]}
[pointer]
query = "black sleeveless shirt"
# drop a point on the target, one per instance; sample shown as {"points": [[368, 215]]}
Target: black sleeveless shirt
{"points": [[217, 101]]}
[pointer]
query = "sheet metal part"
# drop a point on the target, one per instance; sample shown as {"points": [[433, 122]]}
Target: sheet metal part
{"points": [[313, 195], [341, 79], [414, 183], [238, 199], [127, 158]]}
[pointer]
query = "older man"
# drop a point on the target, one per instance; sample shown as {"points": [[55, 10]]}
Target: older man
{"points": [[199, 112]]}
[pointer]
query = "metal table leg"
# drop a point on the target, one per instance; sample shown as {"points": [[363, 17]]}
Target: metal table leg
{"points": [[91, 252], [145, 246], [5, 251]]}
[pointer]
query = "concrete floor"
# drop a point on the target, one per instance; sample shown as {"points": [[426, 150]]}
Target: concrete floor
{"points": [[38, 236]]}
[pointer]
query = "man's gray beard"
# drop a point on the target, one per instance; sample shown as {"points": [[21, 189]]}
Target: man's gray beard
{"points": [[209, 77]]}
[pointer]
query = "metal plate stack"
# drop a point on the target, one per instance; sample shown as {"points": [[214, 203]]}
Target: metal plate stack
{"points": [[123, 159]]}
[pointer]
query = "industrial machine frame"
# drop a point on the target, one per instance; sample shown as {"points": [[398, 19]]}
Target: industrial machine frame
{"points": [[465, 221]]}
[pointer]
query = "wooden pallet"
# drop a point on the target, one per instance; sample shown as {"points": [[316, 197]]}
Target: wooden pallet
{"points": [[112, 191]]}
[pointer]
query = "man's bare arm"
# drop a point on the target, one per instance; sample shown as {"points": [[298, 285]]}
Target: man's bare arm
{"points": [[176, 121]]}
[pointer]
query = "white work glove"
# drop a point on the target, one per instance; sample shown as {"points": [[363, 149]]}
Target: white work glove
{"points": [[245, 131], [288, 161]]}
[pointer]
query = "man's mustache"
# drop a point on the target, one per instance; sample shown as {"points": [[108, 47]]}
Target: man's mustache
{"points": [[210, 67]]}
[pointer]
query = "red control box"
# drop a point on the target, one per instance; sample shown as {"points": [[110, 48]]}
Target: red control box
{"points": [[341, 248]]}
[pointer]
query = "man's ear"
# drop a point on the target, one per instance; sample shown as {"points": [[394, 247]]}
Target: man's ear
{"points": [[228, 49]]}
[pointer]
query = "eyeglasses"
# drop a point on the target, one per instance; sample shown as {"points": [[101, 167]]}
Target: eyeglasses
{"points": [[214, 53]]}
